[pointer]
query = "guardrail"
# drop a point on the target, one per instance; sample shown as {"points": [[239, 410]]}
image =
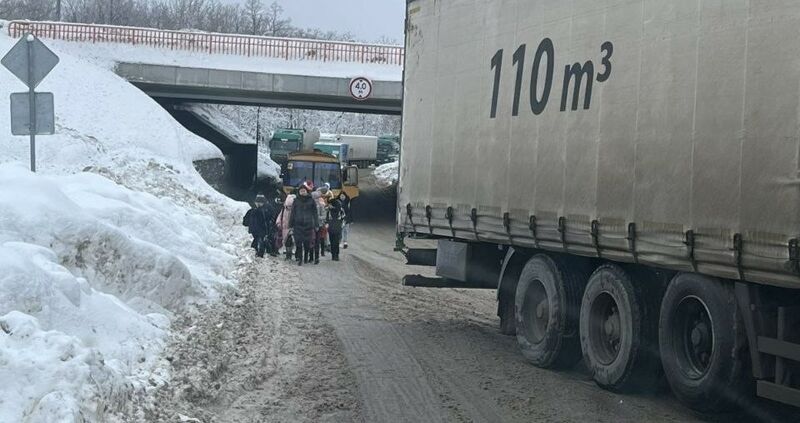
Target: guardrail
{"points": [[215, 43]]}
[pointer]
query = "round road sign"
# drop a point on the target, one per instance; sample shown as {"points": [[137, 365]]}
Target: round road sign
{"points": [[360, 88]]}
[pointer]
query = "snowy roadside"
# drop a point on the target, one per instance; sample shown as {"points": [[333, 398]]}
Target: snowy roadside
{"points": [[261, 354], [113, 239], [127, 289]]}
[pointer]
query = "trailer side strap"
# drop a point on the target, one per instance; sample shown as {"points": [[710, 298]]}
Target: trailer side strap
{"points": [[690, 243], [596, 237], [562, 230], [449, 215], [532, 226], [738, 247], [632, 241], [473, 215], [410, 215], [507, 225], [794, 255]]}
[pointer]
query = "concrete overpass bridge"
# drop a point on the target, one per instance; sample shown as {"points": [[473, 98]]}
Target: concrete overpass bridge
{"points": [[178, 66], [203, 85]]}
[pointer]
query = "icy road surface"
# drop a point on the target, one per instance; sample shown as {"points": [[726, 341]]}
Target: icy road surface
{"points": [[345, 341]]}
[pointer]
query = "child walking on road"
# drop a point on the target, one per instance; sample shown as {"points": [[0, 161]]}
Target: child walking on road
{"points": [[344, 199], [336, 220]]}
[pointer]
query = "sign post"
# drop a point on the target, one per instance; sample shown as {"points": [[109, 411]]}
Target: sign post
{"points": [[32, 113], [31, 104]]}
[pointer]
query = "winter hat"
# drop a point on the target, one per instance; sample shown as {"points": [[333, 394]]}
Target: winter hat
{"points": [[308, 185], [325, 188]]}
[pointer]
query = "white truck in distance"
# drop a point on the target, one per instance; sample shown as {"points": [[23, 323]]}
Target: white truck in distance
{"points": [[363, 150]]}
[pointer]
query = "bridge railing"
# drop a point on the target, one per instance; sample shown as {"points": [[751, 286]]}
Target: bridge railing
{"points": [[215, 43]]}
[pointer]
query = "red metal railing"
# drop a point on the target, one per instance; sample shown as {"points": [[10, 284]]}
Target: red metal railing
{"points": [[215, 43]]}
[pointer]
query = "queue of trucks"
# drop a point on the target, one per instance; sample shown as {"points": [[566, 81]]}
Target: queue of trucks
{"points": [[327, 158], [625, 175], [356, 150]]}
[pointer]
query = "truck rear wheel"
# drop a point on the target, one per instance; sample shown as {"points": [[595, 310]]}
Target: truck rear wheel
{"points": [[547, 305], [618, 335], [702, 343]]}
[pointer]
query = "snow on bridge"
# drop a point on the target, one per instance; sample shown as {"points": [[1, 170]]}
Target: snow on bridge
{"points": [[181, 66]]}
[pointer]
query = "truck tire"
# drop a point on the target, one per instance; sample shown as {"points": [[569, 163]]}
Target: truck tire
{"points": [[508, 322], [702, 343], [547, 305], [619, 335]]}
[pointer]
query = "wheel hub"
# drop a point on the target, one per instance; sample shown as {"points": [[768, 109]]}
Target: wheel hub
{"points": [[611, 324], [536, 311], [605, 333], [541, 309], [693, 336]]}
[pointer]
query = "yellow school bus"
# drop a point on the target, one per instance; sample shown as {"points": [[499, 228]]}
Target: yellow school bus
{"points": [[320, 168]]}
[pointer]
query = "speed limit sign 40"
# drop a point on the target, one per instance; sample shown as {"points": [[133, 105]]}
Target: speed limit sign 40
{"points": [[360, 88]]}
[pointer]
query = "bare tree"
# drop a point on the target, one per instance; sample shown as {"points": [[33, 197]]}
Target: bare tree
{"points": [[26, 9], [276, 24], [254, 11], [207, 15]]}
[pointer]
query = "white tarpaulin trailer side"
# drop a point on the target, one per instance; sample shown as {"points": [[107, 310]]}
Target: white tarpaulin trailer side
{"points": [[362, 147], [679, 150]]}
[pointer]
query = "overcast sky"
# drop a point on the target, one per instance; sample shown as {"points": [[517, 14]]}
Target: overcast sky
{"points": [[366, 19]]}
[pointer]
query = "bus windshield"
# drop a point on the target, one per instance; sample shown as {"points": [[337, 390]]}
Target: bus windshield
{"points": [[318, 173], [298, 173], [330, 173]]}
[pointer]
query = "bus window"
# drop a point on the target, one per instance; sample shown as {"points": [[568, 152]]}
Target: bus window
{"points": [[330, 173], [299, 172]]}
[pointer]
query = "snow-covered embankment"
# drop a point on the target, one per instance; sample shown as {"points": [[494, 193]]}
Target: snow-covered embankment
{"points": [[98, 251]]}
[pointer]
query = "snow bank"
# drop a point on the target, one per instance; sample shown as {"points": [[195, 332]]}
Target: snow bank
{"points": [[266, 167], [73, 251], [49, 376], [387, 175], [115, 235]]}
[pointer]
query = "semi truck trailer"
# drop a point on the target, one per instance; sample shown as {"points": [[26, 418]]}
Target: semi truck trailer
{"points": [[363, 149], [626, 175]]}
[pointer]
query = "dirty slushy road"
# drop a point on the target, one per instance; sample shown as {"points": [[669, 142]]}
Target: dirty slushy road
{"points": [[342, 342], [437, 355]]}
